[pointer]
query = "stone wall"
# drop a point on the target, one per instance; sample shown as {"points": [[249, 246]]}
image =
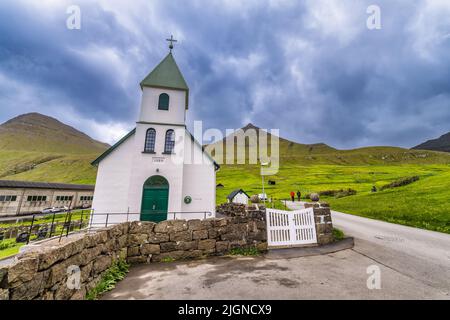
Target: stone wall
{"points": [[324, 225], [42, 273]]}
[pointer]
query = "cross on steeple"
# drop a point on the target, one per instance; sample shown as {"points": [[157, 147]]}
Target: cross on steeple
{"points": [[171, 40]]}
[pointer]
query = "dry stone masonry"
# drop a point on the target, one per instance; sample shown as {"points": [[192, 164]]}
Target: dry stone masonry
{"points": [[44, 273], [324, 224]]}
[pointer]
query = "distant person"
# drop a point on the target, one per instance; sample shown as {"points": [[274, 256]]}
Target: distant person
{"points": [[292, 196], [299, 195]]}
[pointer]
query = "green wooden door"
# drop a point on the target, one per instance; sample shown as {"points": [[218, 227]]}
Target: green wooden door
{"points": [[155, 198]]}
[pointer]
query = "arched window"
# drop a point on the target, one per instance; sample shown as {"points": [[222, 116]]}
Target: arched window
{"points": [[150, 138], [170, 141], [163, 103]]}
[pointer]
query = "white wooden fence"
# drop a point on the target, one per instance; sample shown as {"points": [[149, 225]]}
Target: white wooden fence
{"points": [[290, 228]]}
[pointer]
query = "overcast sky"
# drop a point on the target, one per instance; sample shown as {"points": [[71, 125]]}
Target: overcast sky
{"points": [[310, 68]]}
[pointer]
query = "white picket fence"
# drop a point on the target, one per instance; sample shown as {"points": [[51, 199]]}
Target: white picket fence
{"points": [[290, 228]]}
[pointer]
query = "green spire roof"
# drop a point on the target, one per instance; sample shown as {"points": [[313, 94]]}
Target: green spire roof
{"points": [[166, 75]]}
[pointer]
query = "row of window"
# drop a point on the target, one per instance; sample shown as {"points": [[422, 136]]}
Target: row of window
{"points": [[150, 139], [44, 198], [8, 198], [64, 198], [37, 198]]}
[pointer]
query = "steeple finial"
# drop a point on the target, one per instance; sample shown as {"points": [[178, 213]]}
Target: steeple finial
{"points": [[171, 40]]}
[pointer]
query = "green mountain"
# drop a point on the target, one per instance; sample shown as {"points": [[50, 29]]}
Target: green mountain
{"points": [[311, 154], [36, 147], [40, 133], [440, 144], [40, 148]]}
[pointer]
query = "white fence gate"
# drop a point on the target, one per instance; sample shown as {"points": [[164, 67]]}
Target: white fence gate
{"points": [[290, 228]]}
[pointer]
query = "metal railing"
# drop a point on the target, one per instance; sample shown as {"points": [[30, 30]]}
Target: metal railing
{"points": [[62, 224], [43, 226], [128, 216]]}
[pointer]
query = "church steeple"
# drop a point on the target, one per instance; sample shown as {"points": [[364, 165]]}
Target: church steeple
{"points": [[167, 75]]}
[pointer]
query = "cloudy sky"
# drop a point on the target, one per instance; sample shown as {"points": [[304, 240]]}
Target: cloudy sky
{"points": [[310, 68]]}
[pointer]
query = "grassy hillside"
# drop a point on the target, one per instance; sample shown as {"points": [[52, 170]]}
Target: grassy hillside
{"points": [[40, 133], [47, 167], [308, 168], [423, 204], [320, 153], [64, 155], [440, 144], [35, 147]]}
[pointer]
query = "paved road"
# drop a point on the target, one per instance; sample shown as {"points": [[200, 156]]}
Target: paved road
{"points": [[416, 253], [414, 264]]}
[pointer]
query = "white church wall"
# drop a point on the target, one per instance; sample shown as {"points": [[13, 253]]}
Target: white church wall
{"points": [[149, 106], [112, 184], [199, 181]]}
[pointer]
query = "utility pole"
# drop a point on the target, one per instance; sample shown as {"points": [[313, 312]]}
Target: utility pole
{"points": [[262, 179]]}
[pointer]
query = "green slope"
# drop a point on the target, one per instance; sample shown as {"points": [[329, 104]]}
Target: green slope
{"points": [[65, 156], [424, 204], [35, 147]]}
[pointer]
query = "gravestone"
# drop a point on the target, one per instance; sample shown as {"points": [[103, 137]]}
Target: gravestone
{"points": [[22, 237], [42, 233]]}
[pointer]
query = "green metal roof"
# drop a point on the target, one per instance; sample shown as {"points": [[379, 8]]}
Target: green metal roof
{"points": [[167, 75]]}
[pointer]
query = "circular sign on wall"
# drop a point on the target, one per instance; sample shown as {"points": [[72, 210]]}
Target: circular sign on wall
{"points": [[187, 199]]}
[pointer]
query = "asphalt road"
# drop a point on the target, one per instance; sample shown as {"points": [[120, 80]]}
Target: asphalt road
{"points": [[416, 253], [419, 254]]}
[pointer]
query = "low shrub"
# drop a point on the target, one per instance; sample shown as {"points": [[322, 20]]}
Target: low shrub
{"points": [[335, 193], [251, 251], [338, 234], [109, 279], [400, 182], [6, 244]]}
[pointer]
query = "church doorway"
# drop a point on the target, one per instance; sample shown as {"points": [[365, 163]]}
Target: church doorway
{"points": [[155, 199]]}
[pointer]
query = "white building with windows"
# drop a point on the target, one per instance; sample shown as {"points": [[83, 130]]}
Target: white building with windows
{"points": [[158, 171], [238, 196]]}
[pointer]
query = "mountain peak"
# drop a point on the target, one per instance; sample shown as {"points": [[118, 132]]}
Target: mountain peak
{"points": [[41, 133], [440, 144]]}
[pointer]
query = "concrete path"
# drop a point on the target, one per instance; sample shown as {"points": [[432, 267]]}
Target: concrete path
{"points": [[340, 275], [415, 253]]}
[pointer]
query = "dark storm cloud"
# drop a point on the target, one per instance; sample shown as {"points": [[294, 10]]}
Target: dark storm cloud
{"points": [[310, 68]]}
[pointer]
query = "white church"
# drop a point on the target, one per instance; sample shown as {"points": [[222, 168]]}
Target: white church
{"points": [[158, 171]]}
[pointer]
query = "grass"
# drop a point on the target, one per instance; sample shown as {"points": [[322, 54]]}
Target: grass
{"points": [[251, 251], [47, 167], [423, 204], [338, 234], [109, 279], [167, 260], [9, 248]]}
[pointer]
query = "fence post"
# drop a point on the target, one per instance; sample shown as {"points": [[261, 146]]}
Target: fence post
{"points": [[31, 228], [91, 218], [81, 219], [107, 218], [70, 222], [51, 227]]}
